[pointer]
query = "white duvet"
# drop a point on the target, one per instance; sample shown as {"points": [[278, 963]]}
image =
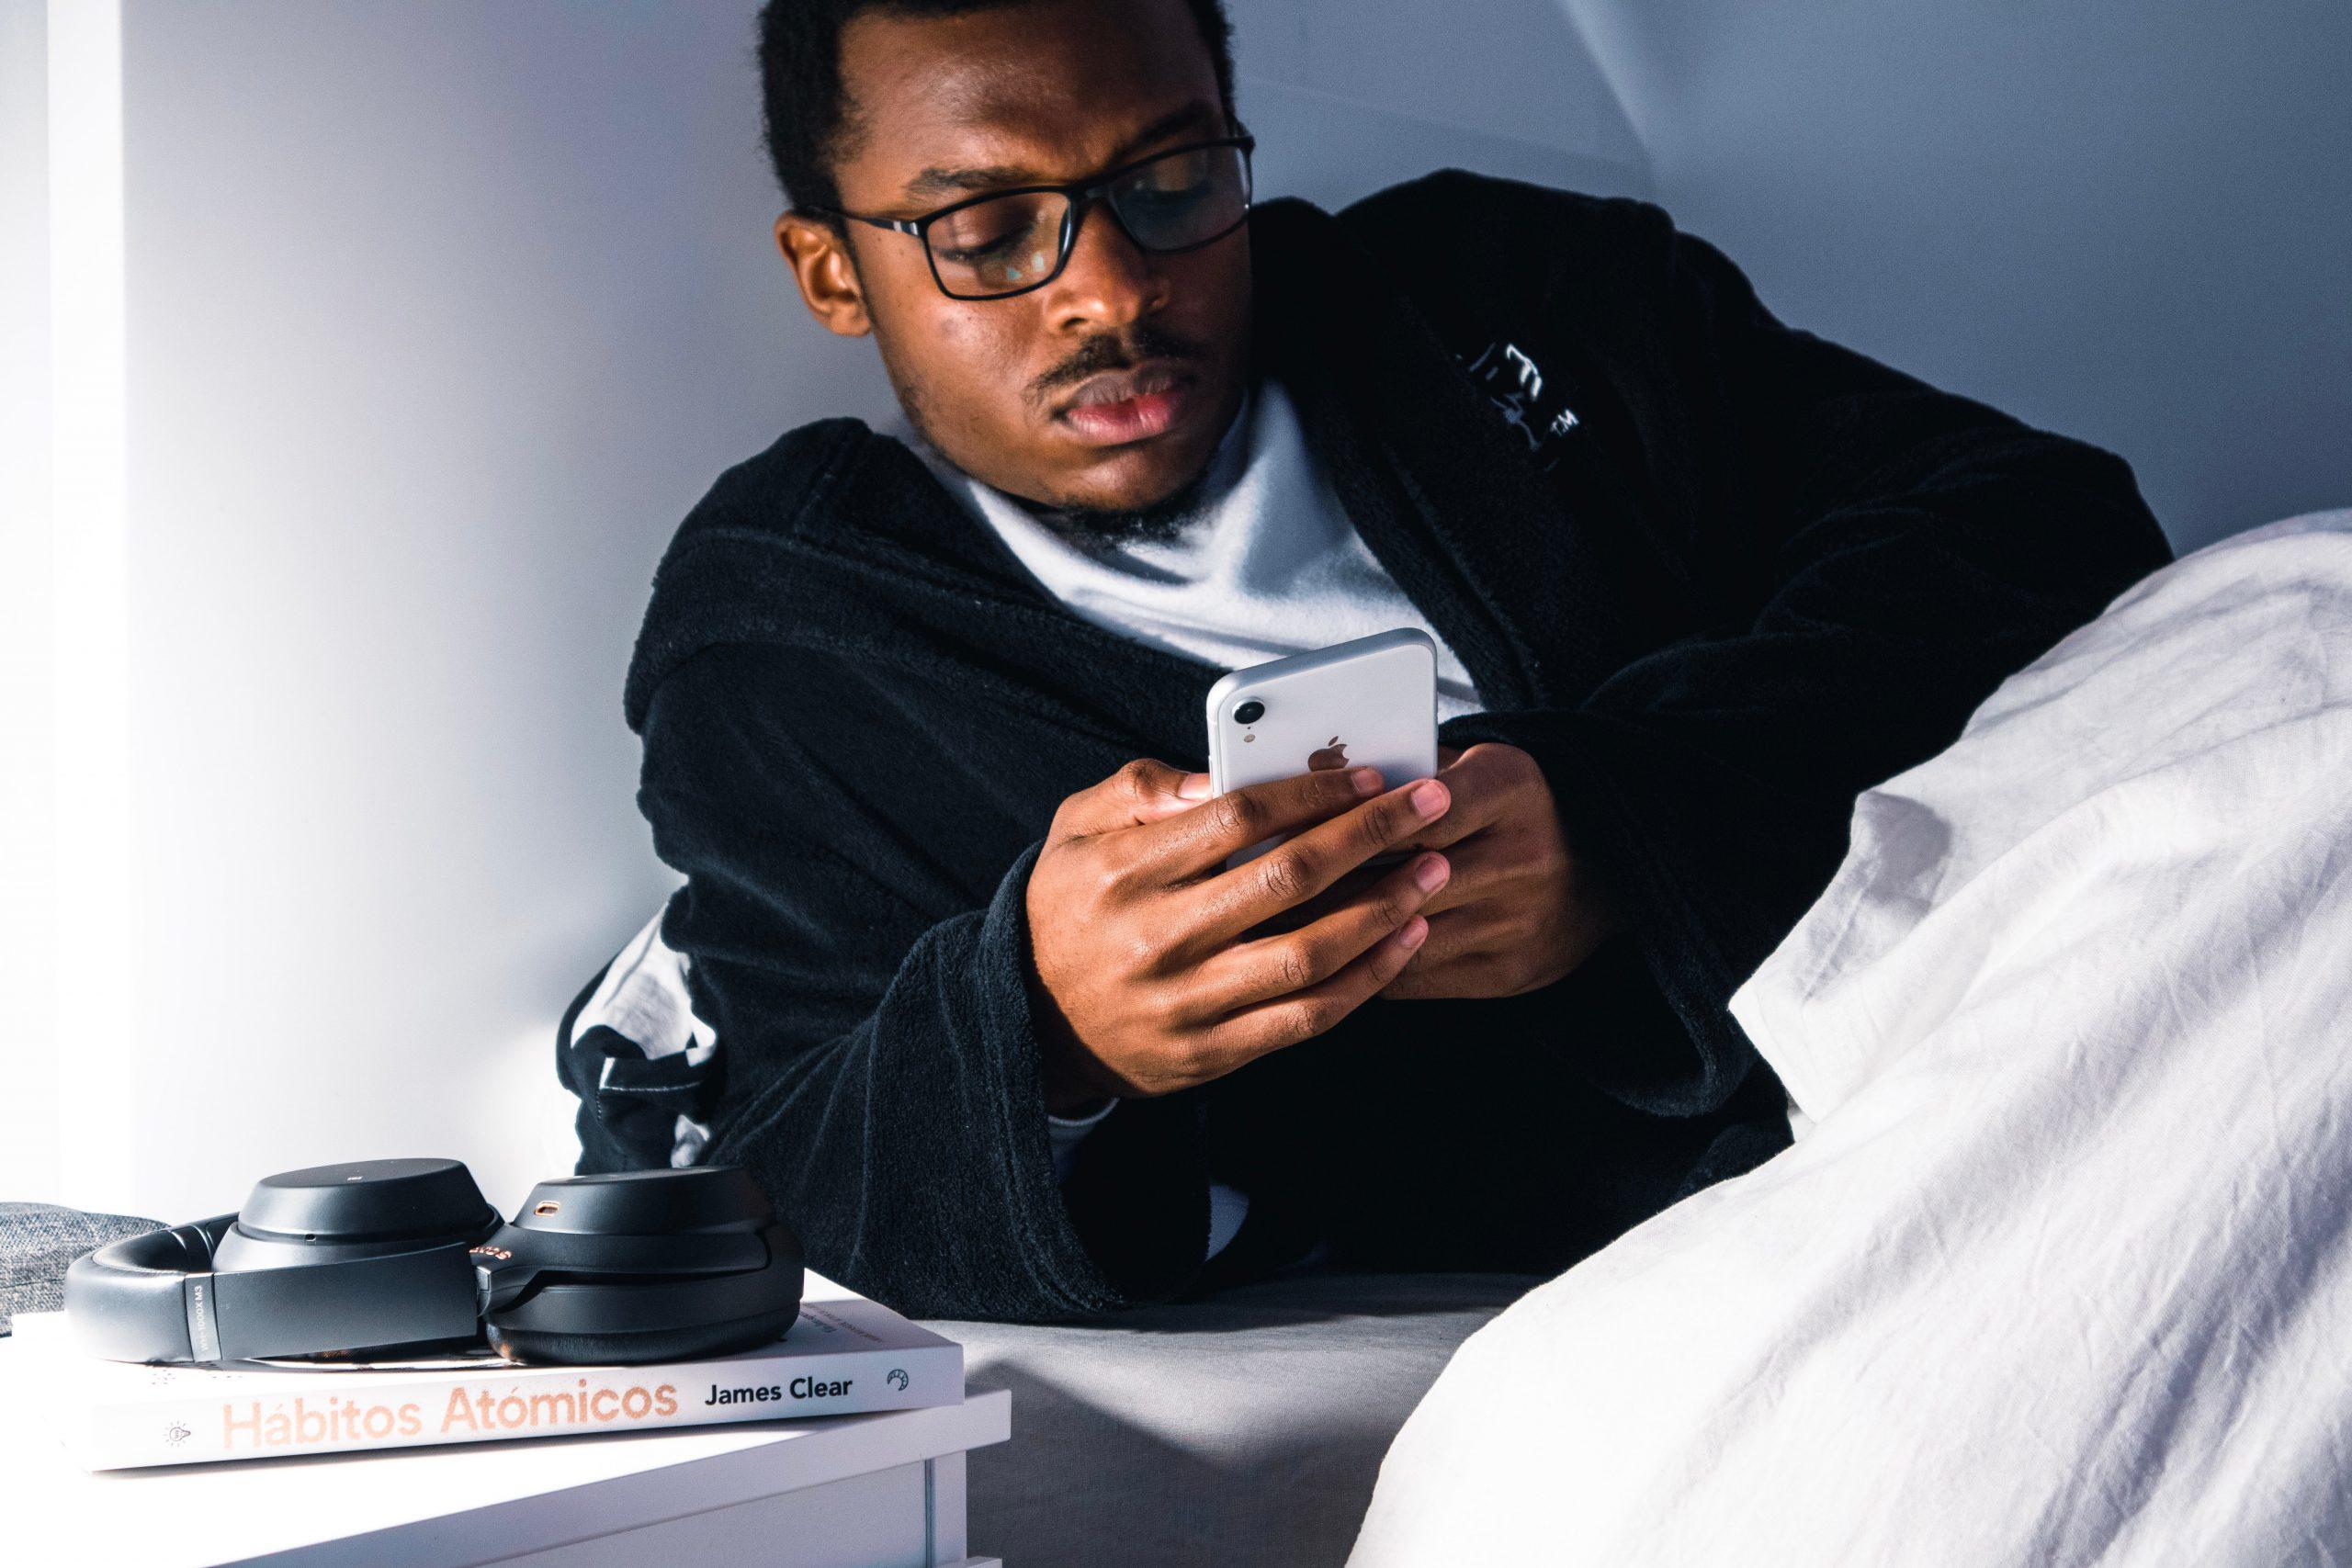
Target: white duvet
{"points": [[2061, 1272]]}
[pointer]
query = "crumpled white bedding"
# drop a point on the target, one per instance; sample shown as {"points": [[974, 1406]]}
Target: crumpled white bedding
{"points": [[2061, 1272]]}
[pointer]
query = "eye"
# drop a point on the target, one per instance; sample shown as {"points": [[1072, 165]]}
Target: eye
{"points": [[1176, 179], [1168, 195], [990, 231]]}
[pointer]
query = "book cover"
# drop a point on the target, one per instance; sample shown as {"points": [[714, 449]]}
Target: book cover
{"points": [[845, 1354]]}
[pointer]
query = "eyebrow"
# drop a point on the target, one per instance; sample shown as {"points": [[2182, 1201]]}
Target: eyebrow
{"points": [[938, 182]]}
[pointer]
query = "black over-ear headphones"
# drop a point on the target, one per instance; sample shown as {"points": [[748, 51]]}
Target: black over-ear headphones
{"points": [[406, 1255]]}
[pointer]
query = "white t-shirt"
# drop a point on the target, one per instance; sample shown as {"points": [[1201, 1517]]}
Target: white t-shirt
{"points": [[1269, 566]]}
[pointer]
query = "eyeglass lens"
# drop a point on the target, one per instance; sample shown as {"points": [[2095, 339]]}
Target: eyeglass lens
{"points": [[1011, 243]]}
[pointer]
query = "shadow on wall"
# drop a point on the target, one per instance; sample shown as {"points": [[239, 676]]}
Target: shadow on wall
{"points": [[1346, 97], [2130, 223]]}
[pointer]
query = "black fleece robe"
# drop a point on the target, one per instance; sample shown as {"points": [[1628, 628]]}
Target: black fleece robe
{"points": [[1717, 575]]}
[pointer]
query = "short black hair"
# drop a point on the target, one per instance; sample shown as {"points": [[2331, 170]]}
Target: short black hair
{"points": [[800, 79]]}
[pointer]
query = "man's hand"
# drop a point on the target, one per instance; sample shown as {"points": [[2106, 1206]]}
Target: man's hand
{"points": [[1151, 976], [1519, 911]]}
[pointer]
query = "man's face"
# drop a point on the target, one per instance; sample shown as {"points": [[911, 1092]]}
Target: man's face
{"points": [[1107, 388]]}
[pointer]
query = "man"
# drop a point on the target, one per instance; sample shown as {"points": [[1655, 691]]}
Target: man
{"points": [[957, 970]]}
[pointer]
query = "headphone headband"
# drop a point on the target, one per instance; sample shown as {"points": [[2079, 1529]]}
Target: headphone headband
{"points": [[149, 1298]]}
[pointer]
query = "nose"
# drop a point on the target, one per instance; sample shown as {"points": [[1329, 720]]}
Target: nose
{"points": [[1107, 283]]}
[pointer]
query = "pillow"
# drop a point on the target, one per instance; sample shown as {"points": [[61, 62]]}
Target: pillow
{"points": [[37, 1241]]}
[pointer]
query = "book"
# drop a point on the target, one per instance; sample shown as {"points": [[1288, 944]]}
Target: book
{"points": [[845, 1355]]}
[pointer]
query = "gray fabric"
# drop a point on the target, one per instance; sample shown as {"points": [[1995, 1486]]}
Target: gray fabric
{"points": [[1244, 1428], [37, 1242]]}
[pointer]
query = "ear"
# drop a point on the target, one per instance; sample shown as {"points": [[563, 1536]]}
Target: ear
{"points": [[818, 256]]}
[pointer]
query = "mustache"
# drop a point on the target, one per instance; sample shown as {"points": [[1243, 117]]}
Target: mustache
{"points": [[1110, 352]]}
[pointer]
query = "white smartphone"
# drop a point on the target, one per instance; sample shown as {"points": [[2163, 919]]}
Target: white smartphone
{"points": [[1372, 701]]}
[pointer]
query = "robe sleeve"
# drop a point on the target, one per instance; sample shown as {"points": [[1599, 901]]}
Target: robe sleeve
{"points": [[881, 1068], [1896, 551]]}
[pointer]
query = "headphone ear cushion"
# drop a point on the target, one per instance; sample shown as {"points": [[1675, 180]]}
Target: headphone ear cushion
{"points": [[581, 1348], [579, 1309]]}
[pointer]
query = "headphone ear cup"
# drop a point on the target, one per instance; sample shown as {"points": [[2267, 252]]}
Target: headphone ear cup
{"points": [[647, 1266]]}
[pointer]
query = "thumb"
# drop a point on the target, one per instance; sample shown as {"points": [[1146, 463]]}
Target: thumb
{"points": [[1146, 790], [1158, 790]]}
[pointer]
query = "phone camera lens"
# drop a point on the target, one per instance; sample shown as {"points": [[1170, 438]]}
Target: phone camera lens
{"points": [[1250, 712]]}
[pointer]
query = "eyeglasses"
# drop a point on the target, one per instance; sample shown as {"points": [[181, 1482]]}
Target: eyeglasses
{"points": [[1010, 242]]}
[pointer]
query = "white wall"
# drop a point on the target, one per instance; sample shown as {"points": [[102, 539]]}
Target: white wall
{"points": [[28, 1124], [441, 315]]}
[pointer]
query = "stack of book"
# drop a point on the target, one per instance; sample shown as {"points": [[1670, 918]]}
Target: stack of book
{"points": [[844, 1356]]}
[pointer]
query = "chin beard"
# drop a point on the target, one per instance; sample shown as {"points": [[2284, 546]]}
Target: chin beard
{"points": [[1155, 524]]}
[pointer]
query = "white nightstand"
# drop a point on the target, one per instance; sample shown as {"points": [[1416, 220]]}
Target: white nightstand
{"points": [[884, 1491]]}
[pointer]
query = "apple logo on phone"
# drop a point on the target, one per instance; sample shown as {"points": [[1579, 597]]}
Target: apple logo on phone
{"points": [[1335, 755]]}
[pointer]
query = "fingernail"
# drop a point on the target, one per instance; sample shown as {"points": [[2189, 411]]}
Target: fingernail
{"points": [[1192, 786], [1429, 799], [1366, 780], [1431, 871], [1412, 933]]}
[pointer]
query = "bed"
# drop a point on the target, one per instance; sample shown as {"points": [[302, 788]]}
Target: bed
{"points": [[2060, 1268]]}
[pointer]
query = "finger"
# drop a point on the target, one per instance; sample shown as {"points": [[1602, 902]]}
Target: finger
{"points": [[1270, 1026], [1481, 866], [1455, 960], [1307, 864], [1350, 886], [1481, 784], [1193, 842], [1146, 790], [1480, 870], [1271, 966]]}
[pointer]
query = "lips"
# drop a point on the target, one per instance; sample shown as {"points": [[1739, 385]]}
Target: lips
{"points": [[1121, 406]]}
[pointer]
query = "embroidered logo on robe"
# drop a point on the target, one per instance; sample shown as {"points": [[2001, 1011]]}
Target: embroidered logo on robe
{"points": [[1514, 384]]}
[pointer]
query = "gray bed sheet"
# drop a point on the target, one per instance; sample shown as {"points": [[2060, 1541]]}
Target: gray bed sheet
{"points": [[1244, 1428]]}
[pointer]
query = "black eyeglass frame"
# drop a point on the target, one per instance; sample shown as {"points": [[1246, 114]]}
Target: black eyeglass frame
{"points": [[1082, 195]]}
